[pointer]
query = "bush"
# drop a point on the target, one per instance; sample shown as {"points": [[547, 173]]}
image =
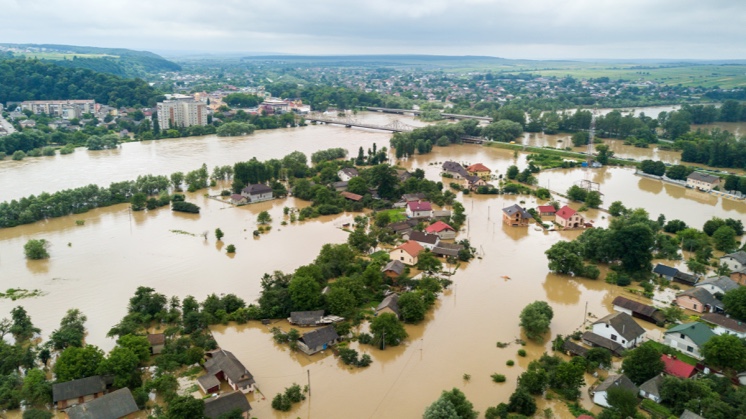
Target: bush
{"points": [[47, 151], [522, 352], [36, 249], [34, 153], [183, 206], [230, 248], [19, 155], [510, 363], [498, 378]]}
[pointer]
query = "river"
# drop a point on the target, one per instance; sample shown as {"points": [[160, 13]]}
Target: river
{"points": [[96, 267]]}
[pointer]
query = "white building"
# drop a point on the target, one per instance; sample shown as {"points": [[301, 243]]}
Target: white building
{"points": [[620, 328], [734, 261], [702, 181], [688, 338], [65, 109], [619, 381], [181, 113]]}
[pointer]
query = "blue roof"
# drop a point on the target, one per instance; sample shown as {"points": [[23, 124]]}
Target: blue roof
{"points": [[665, 270]]}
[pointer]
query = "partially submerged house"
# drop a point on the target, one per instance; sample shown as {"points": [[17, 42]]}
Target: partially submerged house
{"points": [[515, 215], [347, 173], [702, 181], [638, 310], [699, 300], [351, 196], [478, 169], [222, 365], [77, 391], [725, 325], [734, 261], [665, 271], [226, 403], [573, 349], [306, 318], [443, 230], [428, 241], [318, 340], [688, 338], [157, 341], [688, 414], [115, 405], [390, 304], [454, 170], [447, 249], [567, 217], [621, 328], [393, 269], [598, 341], [600, 393], [257, 192], [408, 253], [546, 210], [718, 285]]}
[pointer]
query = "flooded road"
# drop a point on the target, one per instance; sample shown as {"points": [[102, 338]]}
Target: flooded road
{"points": [[96, 267]]}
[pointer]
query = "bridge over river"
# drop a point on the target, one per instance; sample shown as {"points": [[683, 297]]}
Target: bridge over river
{"points": [[414, 112]]}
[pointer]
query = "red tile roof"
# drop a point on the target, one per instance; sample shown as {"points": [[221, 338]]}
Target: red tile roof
{"points": [[565, 212], [419, 206], [411, 247], [438, 226], [478, 167], [351, 196], [546, 208], [677, 368]]}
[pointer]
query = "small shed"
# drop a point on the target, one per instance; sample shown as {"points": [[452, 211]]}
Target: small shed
{"points": [[393, 269], [390, 304], [306, 318], [157, 342]]}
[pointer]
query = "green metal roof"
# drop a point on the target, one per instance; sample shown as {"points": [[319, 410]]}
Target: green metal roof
{"points": [[698, 332]]}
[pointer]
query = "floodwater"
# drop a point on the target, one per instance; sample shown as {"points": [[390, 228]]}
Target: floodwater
{"points": [[97, 267]]}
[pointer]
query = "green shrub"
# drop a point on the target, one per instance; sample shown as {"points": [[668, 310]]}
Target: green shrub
{"points": [[510, 363], [498, 378], [19, 155], [522, 352]]}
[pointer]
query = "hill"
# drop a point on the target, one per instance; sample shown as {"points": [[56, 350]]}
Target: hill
{"points": [[117, 61], [22, 79]]}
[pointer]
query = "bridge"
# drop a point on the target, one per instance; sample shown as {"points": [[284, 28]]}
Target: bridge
{"points": [[415, 112], [394, 126]]}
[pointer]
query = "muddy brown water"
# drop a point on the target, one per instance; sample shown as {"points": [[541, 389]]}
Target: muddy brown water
{"points": [[97, 267]]}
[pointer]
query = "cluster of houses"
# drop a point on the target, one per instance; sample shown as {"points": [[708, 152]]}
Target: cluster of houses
{"points": [[566, 217], [319, 339], [475, 175]]}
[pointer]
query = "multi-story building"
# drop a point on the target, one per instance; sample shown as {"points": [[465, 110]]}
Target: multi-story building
{"points": [[181, 113], [65, 109]]}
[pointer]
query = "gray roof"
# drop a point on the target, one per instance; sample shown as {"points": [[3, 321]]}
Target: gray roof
{"points": [[444, 251], [114, 405], [391, 301], [419, 196], [342, 184], [686, 278], [653, 386], [511, 210], [452, 166], [319, 337], [257, 189], [665, 270], [598, 340], [703, 177], [441, 213], [725, 322], [619, 380], [350, 171], [306, 317], [703, 296], [216, 406], [232, 368], [624, 324], [574, 348], [688, 414], [739, 256], [78, 388], [208, 381], [421, 237], [635, 306], [395, 266], [724, 283]]}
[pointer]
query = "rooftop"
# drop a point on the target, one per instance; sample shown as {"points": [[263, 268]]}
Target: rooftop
{"points": [[411, 247], [703, 177], [624, 324], [676, 367], [114, 405], [319, 337], [78, 388], [438, 226], [515, 208], [421, 237], [739, 256], [565, 212], [699, 333], [225, 403], [724, 283], [725, 322], [419, 206], [619, 380]]}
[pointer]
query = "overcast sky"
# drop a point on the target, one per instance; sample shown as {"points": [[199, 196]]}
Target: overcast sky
{"points": [[534, 29]]}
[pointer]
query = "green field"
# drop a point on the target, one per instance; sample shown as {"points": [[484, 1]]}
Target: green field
{"points": [[58, 56]]}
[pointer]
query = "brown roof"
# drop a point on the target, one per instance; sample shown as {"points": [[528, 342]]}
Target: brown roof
{"points": [[411, 247], [156, 339], [421, 237], [351, 196], [477, 167], [226, 362], [635, 306], [725, 322]]}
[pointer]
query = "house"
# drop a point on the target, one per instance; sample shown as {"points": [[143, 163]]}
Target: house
{"points": [[478, 169], [257, 193], [598, 341], [454, 170], [403, 175], [447, 249], [473, 182], [702, 181], [664, 271], [688, 414], [419, 209], [340, 186], [618, 381], [685, 278], [443, 230], [306, 318], [725, 325], [347, 173], [115, 405], [638, 310], [407, 253], [718, 285], [688, 338], [27, 123], [226, 403], [699, 300], [546, 210], [222, 365], [409, 197], [572, 348], [403, 227], [157, 342], [390, 304], [568, 218], [515, 215], [352, 196], [734, 261], [739, 276], [77, 391], [393, 269], [441, 214], [621, 328], [318, 340], [677, 367], [238, 199], [651, 389], [428, 241]]}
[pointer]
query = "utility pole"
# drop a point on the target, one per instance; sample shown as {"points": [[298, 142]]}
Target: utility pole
{"points": [[309, 382], [585, 314]]}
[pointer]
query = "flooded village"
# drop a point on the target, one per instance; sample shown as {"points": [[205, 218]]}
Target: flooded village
{"points": [[99, 259]]}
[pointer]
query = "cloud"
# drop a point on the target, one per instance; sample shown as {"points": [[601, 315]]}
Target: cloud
{"points": [[514, 29]]}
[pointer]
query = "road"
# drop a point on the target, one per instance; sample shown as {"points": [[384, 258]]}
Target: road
{"points": [[7, 125]]}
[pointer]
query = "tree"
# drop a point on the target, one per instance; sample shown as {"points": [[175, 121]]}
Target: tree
{"points": [[75, 362], [230, 249], [642, 363], [427, 261], [603, 154], [565, 258], [219, 234], [535, 319], [522, 403], [71, 331], [512, 172], [305, 293], [139, 200], [412, 307], [674, 226], [122, 364], [264, 218], [617, 208], [724, 239], [36, 249], [534, 381], [623, 401], [387, 329], [735, 303], [37, 414], [593, 199], [139, 345], [22, 328], [185, 407], [725, 351], [36, 390], [580, 139], [452, 405], [340, 301], [177, 178]]}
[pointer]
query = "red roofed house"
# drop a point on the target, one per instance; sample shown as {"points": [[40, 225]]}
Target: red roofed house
{"points": [[546, 210], [677, 368], [479, 170], [419, 209], [407, 253], [443, 230], [351, 196], [568, 218]]}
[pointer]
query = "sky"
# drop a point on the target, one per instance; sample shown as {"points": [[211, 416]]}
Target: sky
{"points": [[519, 29]]}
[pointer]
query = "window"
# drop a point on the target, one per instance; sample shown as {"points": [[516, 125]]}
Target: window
{"points": [[689, 349], [695, 306], [681, 335], [613, 337]]}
